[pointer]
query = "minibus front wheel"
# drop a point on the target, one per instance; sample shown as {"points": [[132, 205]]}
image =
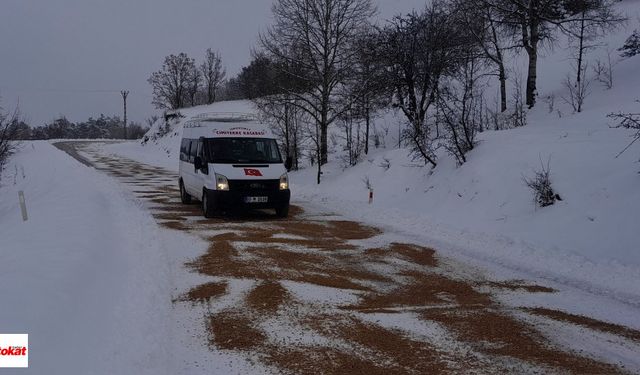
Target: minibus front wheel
{"points": [[185, 198], [282, 211], [208, 205]]}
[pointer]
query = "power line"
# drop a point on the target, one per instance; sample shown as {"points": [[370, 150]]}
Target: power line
{"points": [[60, 90], [72, 91]]}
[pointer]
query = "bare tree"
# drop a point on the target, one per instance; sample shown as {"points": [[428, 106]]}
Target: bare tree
{"points": [[213, 74], [171, 84], [315, 35], [365, 84], [460, 109], [533, 22], [352, 137], [285, 119], [194, 86], [591, 19], [418, 50], [480, 22]]}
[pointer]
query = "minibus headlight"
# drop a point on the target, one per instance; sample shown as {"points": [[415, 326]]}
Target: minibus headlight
{"points": [[221, 182], [284, 182]]}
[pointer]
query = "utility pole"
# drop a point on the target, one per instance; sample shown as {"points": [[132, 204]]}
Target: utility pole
{"points": [[124, 94]]}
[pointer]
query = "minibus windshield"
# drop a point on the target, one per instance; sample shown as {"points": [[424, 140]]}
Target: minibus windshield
{"points": [[242, 150]]}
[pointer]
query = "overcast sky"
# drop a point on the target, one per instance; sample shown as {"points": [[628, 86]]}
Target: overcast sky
{"points": [[72, 57]]}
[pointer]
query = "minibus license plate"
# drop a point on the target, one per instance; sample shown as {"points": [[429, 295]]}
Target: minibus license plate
{"points": [[256, 199]]}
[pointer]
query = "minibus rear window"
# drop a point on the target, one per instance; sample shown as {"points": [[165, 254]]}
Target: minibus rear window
{"points": [[242, 150]]}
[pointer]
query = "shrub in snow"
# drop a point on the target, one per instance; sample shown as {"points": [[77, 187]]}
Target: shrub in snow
{"points": [[367, 183], [379, 136], [161, 129], [632, 46], [604, 71], [627, 121], [518, 117], [353, 139], [8, 133], [577, 91], [540, 185], [385, 164]]}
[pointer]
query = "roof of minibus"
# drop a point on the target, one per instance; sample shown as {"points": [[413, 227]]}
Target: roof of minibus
{"points": [[225, 126]]}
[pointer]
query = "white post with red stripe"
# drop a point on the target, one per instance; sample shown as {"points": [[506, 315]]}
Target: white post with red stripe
{"points": [[23, 205]]}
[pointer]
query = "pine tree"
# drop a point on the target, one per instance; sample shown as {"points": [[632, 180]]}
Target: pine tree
{"points": [[631, 46]]}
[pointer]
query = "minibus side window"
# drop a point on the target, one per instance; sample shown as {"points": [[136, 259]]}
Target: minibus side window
{"points": [[199, 149], [184, 150], [274, 152], [192, 150]]}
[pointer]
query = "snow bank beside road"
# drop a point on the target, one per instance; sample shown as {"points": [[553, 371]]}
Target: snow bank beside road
{"points": [[85, 276]]}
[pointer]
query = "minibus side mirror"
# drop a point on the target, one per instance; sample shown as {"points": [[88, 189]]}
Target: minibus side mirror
{"points": [[201, 165], [288, 163], [197, 162]]}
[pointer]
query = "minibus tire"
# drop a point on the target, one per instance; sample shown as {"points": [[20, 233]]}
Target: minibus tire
{"points": [[185, 198], [208, 209], [282, 211]]}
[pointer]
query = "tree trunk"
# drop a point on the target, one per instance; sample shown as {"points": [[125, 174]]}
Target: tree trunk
{"points": [[580, 53], [502, 71], [532, 51], [367, 121], [319, 167], [295, 146], [287, 125], [323, 139], [503, 87], [532, 77]]}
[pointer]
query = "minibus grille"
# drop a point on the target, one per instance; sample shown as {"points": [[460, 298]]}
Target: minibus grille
{"points": [[254, 185]]}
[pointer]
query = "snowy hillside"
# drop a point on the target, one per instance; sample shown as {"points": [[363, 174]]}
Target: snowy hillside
{"points": [[161, 144], [483, 208]]}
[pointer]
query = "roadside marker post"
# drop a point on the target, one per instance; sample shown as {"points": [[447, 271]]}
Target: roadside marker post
{"points": [[23, 205], [370, 196]]}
